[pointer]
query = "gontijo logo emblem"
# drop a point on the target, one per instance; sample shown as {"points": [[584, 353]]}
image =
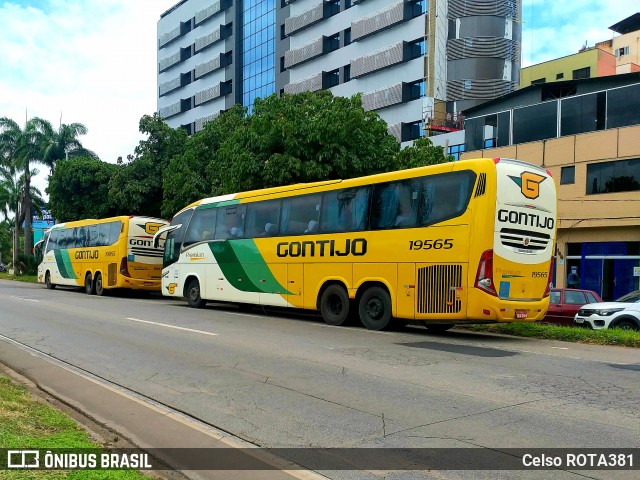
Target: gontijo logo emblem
{"points": [[529, 184], [171, 288], [151, 228]]}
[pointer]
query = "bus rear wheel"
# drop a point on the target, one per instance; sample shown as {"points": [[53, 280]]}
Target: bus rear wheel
{"points": [[334, 305], [47, 281], [89, 286], [193, 294], [375, 308], [98, 287]]}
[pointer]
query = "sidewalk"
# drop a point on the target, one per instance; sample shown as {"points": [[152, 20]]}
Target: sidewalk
{"points": [[137, 420]]}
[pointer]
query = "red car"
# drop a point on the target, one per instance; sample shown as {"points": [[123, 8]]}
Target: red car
{"points": [[564, 303]]}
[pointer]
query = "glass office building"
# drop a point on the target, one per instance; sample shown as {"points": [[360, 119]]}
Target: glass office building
{"points": [[258, 50]]}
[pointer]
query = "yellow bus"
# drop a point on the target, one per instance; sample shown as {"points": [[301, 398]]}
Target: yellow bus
{"points": [[462, 242], [98, 255]]}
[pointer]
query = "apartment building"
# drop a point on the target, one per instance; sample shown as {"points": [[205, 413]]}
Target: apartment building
{"points": [[417, 63], [617, 55], [587, 134]]}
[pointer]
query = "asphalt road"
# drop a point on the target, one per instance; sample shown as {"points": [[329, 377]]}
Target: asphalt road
{"points": [[289, 380]]}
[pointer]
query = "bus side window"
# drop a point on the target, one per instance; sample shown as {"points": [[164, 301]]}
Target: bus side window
{"points": [[202, 226], [345, 210], [93, 235], [81, 237], [103, 234], [262, 219], [115, 232], [395, 204], [230, 223], [53, 241], [298, 213]]}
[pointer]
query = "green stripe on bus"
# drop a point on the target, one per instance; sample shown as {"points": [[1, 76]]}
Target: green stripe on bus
{"points": [[244, 268], [64, 264], [224, 203]]}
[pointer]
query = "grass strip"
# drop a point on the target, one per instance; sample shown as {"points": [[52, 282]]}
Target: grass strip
{"points": [[26, 423], [614, 336], [19, 278]]}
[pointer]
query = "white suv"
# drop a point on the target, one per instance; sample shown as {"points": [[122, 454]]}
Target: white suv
{"points": [[623, 313]]}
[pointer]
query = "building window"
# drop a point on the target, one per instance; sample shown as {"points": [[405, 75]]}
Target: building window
{"points": [[538, 81], [612, 177], [456, 150], [347, 4], [418, 89], [559, 76], [567, 175], [620, 52], [347, 74], [333, 78], [333, 7], [582, 73], [490, 143], [418, 48], [347, 36], [413, 131], [333, 42], [259, 51]]}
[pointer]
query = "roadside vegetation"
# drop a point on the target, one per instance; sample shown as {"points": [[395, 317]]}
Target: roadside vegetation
{"points": [[28, 423], [19, 278], [615, 336]]}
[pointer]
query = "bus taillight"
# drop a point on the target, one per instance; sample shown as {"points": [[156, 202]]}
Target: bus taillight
{"points": [[484, 277], [547, 291], [124, 267]]}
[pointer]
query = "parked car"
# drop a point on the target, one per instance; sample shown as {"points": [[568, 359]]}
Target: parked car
{"points": [[564, 303], [623, 313]]}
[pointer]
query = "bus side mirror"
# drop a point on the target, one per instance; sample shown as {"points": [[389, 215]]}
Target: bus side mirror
{"points": [[161, 231]]}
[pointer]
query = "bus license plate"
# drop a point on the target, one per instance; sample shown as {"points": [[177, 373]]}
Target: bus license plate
{"points": [[521, 314]]}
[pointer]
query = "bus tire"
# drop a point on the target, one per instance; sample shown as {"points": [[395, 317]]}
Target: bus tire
{"points": [[436, 328], [334, 305], [47, 281], [98, 287], [193, 294], [375, 308], [89, 286]]}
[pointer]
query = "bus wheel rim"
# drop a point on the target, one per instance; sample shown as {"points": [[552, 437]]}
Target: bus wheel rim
{"points": [[335, 305], [375, 308], [194, 293]]}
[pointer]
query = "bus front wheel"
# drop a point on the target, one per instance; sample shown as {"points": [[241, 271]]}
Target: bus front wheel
{"points": [[89, 286], [375, 308], [47, 281], [193, 294], [98, 285], [334, 305]]}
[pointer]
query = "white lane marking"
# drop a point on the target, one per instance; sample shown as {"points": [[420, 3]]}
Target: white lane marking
{"points": [[172, 326], [25, 299], [560, 348]]}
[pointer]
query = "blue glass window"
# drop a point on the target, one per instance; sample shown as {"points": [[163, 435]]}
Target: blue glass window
{"points": [[259, 64]]}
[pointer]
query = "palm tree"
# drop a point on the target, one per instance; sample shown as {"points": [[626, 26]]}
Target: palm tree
{"points": [[63, 144], [38, 142]]}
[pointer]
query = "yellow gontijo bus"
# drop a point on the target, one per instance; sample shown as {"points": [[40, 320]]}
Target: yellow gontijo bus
{"points": [[102, 254], [468, 241]]}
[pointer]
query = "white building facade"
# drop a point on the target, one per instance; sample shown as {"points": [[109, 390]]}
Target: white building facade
{"points": [[417, 63]]}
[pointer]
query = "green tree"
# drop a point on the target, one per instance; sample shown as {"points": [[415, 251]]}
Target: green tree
{"points": [[196, 173], [136, 186], [304, 138], [79, 189], [421, 153]]}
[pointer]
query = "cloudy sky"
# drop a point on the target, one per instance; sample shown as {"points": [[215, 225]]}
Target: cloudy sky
{"points": [[95, 61]]}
